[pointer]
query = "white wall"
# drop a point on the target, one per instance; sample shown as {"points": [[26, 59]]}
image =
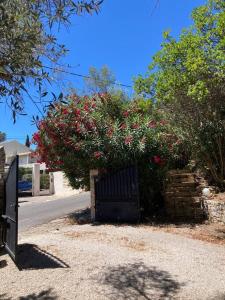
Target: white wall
{"points": [[61, 184]]}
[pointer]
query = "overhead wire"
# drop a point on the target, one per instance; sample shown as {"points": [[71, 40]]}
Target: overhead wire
{"points": [[84, 76]]}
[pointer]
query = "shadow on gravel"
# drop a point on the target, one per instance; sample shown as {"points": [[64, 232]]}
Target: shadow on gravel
{"points": [[80, 217], [44, 295], [3, 263], [32, 257], [4, 297], [138, 281]]}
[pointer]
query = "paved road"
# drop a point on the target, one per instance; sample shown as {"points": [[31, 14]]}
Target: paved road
{"points": [[39, 212]]}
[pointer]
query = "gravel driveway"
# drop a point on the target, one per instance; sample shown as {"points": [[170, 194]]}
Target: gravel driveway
{"points": [[63, 261]]}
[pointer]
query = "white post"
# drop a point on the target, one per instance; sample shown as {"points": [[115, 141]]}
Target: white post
{"points": [[51, 184], [36, 180]]}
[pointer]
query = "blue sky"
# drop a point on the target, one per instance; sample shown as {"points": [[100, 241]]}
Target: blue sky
{"points": [[124, 36]]}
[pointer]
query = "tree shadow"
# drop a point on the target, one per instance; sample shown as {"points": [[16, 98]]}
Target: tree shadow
{"points": [[3, 263], [137, 281], [161, 220], [32, 257], [4, 297], [44, 295]]}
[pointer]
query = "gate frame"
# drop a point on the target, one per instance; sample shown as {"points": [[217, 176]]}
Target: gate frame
{"points": [[5, 217], [95, 177]]}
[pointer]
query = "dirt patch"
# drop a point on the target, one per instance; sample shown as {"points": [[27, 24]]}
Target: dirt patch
{"points": [[123, 241], [133, 245], [219, 197], [84, 234], [212, 233]]}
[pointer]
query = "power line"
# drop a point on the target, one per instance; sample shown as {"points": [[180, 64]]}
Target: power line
{"points": [[84, 76], [155, 7]]}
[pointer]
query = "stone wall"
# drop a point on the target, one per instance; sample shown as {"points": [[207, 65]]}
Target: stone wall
{"points": [[2, 169], [188, 196], [215, 210], [183, 196]]}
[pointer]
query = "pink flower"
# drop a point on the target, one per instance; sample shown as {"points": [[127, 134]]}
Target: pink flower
{"points": [[128, 140], [152, 124]]}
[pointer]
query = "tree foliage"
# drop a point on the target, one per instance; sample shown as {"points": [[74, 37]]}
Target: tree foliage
{"points": [[100, 81], [27, 142], [187, 79], [27, 39]]}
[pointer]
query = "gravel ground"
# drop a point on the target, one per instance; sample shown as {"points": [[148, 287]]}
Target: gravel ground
{"points": [[63, 261]]}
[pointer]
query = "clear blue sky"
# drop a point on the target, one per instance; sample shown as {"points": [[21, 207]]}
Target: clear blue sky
{"points": [[124, 36]]}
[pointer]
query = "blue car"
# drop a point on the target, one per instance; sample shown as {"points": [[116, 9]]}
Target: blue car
{"points": [[24, 186]]}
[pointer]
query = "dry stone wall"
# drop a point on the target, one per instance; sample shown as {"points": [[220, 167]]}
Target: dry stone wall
{"points": [[183, 196], [188, 196], [215, 210]]}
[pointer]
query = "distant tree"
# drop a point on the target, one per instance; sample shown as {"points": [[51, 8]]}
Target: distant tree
{"points": [[27, 39], [2, 136], [100, 81], [27, 142]]}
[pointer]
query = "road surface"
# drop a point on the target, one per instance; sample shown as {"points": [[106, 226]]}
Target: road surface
{"points": [[40, 212]]}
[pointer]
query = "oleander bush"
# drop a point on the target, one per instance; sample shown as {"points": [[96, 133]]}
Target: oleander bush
{"points": [[108, 132]]}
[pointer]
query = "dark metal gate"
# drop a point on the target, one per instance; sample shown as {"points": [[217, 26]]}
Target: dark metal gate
{"points": [[117, 196], [10, 215]]}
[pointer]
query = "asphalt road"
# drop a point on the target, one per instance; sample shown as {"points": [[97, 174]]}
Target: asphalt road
{"points": [[40, 212]]}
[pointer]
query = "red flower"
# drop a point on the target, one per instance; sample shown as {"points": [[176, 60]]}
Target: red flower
{"points": [[98, 154], [135, 126], [86, 108], [128, 140], [36, 137], [126, 114], [157, 159], [77, 112], [65, 111]]}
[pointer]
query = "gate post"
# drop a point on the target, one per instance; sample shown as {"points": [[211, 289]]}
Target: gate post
{"points": [[2, 196], [51, 184], [36, 180], [93, 174]]}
